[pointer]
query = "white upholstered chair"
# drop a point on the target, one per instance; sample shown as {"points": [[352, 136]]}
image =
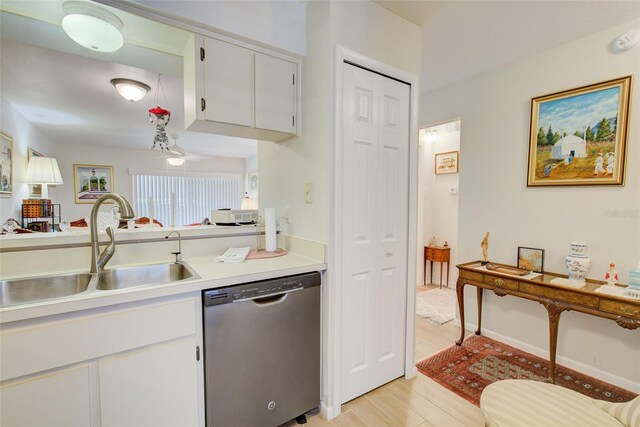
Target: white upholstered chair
{"points": [[524, 403]]}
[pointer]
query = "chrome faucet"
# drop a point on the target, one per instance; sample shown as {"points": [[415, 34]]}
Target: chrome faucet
{"points": [[179, 253], [99, 260]]}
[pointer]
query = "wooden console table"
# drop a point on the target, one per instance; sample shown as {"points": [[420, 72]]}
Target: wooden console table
{"points": [[556, 299], [439, 254]]}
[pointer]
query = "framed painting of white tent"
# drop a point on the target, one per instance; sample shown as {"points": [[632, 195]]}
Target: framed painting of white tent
{"points": [[579, 136]]}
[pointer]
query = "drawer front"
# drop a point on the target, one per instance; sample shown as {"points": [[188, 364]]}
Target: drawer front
{"points": [[628, 310], [501, 282], [24, 350], [438, 255], [559, 294], [469, 275]]}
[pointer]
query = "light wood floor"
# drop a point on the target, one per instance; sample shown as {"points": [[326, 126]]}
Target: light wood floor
{"points": [[412, 403]]}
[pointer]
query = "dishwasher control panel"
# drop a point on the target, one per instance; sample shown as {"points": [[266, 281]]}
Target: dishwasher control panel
{"points": [[260, 289]]}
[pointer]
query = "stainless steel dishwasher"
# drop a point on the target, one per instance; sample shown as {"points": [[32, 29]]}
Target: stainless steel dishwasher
{"points": [[262, 351]]}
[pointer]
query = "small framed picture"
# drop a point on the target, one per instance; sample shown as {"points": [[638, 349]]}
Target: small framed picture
{"points": [[6, 165], [447, 162], [531, 259], [35, 190], [91, 182]]}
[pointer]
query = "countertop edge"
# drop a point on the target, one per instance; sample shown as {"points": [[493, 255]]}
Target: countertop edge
{"points": [[80, 302]]}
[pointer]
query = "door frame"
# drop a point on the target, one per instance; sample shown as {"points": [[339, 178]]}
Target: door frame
{"points": [[331, 393]]}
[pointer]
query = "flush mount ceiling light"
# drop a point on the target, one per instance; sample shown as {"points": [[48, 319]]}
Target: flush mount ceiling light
{"points": [[131, 90], [92, 26], [175, 161]]}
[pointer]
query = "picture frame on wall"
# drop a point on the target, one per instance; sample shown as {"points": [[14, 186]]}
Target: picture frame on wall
{"points": [[447, 162], [531, 259], [91, 181], [579, 136], [6, 165], [253, 181], [35, 190]]}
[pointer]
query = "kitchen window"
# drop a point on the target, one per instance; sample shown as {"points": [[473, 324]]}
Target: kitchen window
{"points": [[195, 194]]}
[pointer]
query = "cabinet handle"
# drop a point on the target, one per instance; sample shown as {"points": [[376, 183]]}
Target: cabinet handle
{"points": [[201, 54], [198, 353], [293, 121], [203, 104], [499, 282]]}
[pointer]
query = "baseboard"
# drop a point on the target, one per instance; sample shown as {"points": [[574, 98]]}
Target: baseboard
{"points": [[327, 412], [561, 360], [411, 373]]}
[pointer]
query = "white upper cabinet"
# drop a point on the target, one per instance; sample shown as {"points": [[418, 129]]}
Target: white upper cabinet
{"points": [[228, 83], [239, 91], [275, 93]]}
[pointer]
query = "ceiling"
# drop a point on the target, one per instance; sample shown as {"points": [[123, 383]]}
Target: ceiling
{"points": [[464, 38], [65, 89]]}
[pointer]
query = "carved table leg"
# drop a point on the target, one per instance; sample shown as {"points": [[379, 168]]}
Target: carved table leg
{"points": [[479, 298], [430, 271], [460, 293], [554, 309]]}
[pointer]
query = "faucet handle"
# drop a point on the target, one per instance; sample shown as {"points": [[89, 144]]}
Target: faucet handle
{"points": [[178, 256]]}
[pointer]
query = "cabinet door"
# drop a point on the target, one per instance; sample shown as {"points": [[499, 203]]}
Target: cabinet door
{"points": [[154, 386], [59, 398], [275, 94], [228, 83]]}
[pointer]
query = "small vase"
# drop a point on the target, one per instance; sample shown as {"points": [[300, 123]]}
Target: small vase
{"points": [[577, 262]]}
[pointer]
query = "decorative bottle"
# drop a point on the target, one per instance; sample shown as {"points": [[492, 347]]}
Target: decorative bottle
{"points": [[578, 263]]}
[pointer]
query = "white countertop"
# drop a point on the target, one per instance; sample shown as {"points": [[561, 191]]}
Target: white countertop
{"points": [[212, 275]]}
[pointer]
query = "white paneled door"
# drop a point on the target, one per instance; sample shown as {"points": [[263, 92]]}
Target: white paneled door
{"points": [[375, 154]]}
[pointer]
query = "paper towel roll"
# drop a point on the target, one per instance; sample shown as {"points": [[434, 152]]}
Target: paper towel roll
{"points": [[270, 229]]}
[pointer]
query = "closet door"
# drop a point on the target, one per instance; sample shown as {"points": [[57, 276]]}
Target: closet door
{"points": [[375, 223]]}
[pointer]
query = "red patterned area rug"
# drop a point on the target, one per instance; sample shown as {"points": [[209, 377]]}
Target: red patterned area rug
{"points": [[468, 369]]}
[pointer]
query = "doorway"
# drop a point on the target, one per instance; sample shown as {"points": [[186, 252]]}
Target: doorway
{"points": [[438, 233]]}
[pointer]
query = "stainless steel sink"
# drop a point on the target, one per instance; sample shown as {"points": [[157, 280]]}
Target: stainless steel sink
{"points": [[20, 291], [155, 274]]}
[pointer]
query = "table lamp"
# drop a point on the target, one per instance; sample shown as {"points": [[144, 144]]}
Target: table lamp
{"points": [[45, 171]]}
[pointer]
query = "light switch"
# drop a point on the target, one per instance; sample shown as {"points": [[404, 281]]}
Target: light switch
{"points": [[307, 192]]}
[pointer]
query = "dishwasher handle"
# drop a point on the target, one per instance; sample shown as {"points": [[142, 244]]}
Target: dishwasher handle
{"points": [[269, 299]]}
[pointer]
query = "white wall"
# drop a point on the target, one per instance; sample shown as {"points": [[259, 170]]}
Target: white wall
{"points": [[361, 26], [25, 135], [277, 23], [286, 166], [369, 29], [121, 160], [494, 109], [439, 213]]}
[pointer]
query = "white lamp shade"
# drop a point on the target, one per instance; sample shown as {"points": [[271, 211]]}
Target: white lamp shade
{"points": [[131, 90], [43, 170], [92, 26], [248, 203]]}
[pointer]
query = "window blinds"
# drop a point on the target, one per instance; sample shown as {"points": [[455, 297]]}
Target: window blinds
{"points": [[195, 196]]}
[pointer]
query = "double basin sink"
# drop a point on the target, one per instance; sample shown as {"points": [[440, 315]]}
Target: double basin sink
{"points": [[19, 291]]}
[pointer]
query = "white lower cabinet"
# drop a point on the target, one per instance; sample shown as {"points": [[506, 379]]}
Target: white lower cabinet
{"points": [[154, 386], [58, 398], [136, 364]]}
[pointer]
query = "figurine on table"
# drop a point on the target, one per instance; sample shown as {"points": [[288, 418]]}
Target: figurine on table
{"points": [[485, 249], [612, 275], [432, 242]]}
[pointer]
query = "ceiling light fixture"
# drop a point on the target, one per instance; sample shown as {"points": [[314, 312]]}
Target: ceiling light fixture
{"points": [[175, 161], [131, 90], [92, 26]]}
